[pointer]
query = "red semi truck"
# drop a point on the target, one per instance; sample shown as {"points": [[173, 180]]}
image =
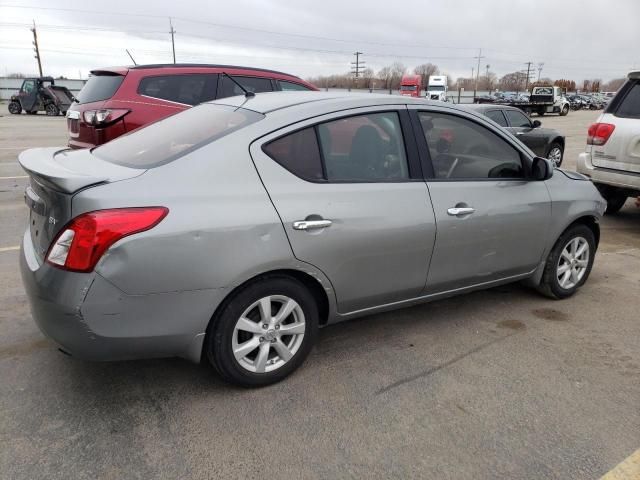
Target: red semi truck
{"points": [[411, 85]]}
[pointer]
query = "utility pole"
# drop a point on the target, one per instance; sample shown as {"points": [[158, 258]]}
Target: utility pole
{"points": [[540, 65], [357, 66], [173, 44], [475, 86], [488, 85], [36, 48], [526, 84]]}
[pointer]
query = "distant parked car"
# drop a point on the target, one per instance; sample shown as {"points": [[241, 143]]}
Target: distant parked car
{"points": [[612, 157], [231, 231], [115, 101], [544, 142]]}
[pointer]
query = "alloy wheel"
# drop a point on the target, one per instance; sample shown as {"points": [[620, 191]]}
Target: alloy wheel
{"points": [[268, 334], [573, 262], [555, 155]]}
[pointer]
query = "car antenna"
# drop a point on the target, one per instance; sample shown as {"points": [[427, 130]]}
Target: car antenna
{"points": [[247, 93]]}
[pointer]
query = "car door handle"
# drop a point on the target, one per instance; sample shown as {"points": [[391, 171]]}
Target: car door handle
{"points": [[311, 224], [459, 211]]}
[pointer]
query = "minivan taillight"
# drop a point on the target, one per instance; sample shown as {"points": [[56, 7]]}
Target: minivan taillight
{"points": [[103, 117], [599, 133], [80, 244]]}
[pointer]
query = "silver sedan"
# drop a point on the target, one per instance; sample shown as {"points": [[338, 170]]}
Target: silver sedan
{"points": [[232, 231]]}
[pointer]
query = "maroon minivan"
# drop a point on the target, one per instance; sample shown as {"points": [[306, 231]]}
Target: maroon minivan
{"points": [[118, 100]]}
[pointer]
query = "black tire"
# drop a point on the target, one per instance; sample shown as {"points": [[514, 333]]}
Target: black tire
{"points": [[550, 285], [218, 346], [565, 111], [15, 108], [615, 198], [52, 110], [552, 147], [541, 112], [32, 112]]}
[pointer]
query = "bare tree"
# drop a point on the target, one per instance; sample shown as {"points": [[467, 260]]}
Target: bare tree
{"points": [[425, 71], [514, 81], [613, 85]]}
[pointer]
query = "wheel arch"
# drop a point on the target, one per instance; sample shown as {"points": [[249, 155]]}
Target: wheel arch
{"points": [[557, 139], [309, 281]]}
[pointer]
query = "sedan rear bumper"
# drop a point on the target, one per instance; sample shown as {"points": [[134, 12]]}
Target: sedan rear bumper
{"points": [[91, 319]]}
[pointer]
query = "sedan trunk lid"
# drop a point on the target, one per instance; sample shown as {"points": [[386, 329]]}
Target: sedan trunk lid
{"points": [[56, 175]]}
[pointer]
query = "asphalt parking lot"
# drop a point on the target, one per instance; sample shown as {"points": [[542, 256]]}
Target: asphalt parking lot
{"points": [[496, 384]]}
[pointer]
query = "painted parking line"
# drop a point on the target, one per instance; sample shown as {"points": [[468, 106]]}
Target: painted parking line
{"points": [[9, 249], [628, 469], [15, 177]]}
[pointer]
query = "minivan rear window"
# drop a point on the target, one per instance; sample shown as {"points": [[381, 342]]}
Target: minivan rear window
{"points": [[166, 140], [99, 87]]}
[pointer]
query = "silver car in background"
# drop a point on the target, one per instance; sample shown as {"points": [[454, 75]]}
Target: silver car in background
{"points": [[232, 231]]}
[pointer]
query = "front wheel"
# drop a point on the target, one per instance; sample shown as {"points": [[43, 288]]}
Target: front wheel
{"points": [[569, 263], [15, 108], [264, 332], [565, 111], [555, 154]]}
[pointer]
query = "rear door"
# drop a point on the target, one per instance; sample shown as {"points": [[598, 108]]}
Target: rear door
{"points": [[492, 220], [622, 150], [350, 193]]}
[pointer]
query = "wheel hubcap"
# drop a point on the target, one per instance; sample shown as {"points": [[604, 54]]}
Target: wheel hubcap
{"points": [[573, 262], [555, 155], [268, 334]]}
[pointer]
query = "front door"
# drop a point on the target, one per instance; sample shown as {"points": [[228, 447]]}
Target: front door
{"points": [[492, 221], [352, 201], [29, 95], [520, 125]]}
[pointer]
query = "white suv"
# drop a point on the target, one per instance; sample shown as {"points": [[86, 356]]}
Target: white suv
{"points": [[612, 159]]}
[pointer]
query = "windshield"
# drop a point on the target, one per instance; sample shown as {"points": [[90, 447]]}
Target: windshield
{"points": [[408, 88], [436, 88], [165, 141], [99, 87]]}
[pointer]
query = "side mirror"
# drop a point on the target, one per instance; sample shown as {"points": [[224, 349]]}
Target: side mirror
{"points": [[536, 123], [541, 169]]}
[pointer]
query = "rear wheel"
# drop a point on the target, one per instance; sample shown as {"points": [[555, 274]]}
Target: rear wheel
{"points": [[569, 263], [615, 198], [264, 332], [555, 154], [52, 110], [15, 108]]}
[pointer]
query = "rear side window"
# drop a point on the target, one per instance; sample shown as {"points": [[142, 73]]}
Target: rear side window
{"points": [[253, 84], [188, 89], [497, 116], [630, 105], [291, 87], [164, 141], [360, 148], [298, 153], [99, 87]]}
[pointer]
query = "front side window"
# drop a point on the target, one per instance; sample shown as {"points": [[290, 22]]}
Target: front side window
{"points": [[292, 87], [228, 88], [498, 117], [168, 139], [360, 148], [462, 149], [28, 86], [517, 119], [189, 89]]}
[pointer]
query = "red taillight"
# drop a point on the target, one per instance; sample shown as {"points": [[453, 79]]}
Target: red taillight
{"points": [[80, 245], [101, 118], [599, 133]]}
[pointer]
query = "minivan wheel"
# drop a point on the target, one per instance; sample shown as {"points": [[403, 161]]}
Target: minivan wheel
{"points": [[264, 332], [569, 263]]}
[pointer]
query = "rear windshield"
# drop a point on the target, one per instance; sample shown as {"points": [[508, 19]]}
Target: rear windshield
{"points": [[164, 141], [99, 87]]}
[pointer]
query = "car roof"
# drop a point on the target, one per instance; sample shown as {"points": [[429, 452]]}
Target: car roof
{"points": [[272, 101], [122, 70]]}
